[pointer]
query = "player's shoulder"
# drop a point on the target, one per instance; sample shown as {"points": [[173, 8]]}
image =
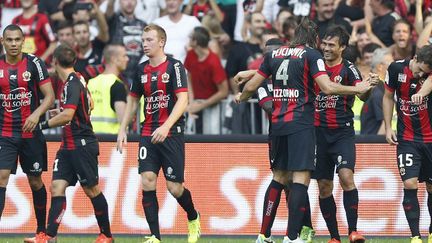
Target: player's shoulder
{"points": [[171, 60], [398, 66]]}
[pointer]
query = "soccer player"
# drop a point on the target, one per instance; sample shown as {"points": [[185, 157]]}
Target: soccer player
{"points": [[271, 200], [23, 80], [294, 70], [334, 130], [163, 83], [76, 160], [414, 131]]}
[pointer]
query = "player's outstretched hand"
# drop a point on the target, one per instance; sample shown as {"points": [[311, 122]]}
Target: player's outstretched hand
{"points": [[160, 134], [237, 98], [417, 99], [391, 137], [363, 87], [31, 123], [121, 139]]}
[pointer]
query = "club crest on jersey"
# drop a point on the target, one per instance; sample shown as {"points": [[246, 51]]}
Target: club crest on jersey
{"points": [[144, 78], [402, 77], [338, 79], [165, 78], [1, 73], [26, 76]]}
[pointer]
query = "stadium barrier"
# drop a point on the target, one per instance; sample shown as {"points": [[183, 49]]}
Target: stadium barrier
{"points": [[228, 177]]}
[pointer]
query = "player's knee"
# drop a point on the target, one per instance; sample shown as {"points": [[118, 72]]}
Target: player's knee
{"points": [[58, 188], [428, 187], [282, 177], [175, 188], [325, 188], [4, 177], [35, 182], [92, 191], [410, 183]]}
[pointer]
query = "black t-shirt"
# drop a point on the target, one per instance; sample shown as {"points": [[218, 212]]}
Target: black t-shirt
{"points": [[345, 11], [336, 20], [50, 7], [382, 27], [298, 8], [240, 56], [127, 32], [371, 116], [117, 93], [94, 58]]}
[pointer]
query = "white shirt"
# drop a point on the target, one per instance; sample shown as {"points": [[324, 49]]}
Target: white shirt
{"points": [[177, 34], [146, 10]]}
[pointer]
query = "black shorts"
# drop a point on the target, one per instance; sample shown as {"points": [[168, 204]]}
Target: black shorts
{"points": [[415, 160], [79, 164], [32, 154], [335, 148], [294, 152], [170, 155]]}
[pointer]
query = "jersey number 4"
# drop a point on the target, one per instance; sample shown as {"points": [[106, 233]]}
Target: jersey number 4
{"points": [[282, 72]]}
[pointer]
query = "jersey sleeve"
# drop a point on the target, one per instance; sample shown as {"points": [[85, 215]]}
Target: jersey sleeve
{"points": [[316, 63], [39, 71], [391, 77], [354, 75], [73, 91], [136, 87], [265, 68], [180, 78], [264, 94], [117, 93]]}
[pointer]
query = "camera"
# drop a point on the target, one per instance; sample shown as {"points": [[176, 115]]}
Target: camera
{"points": [[84, 6]]}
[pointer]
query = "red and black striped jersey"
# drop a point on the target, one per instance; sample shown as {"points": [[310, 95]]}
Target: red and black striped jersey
{"points": [[19, 93], [159, 86], [11, 3], [293, 70], [414, 121], [75, 96], [334, 111]]}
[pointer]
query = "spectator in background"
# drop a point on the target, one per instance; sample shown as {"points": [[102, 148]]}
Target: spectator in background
{"points": [[239, 57], [208, 83], [201, 8], [53, 9], [39, 37], [87, 11], [360, 38], [282, 15], [383, 22], [219, 39], [178, 27], [298, 8], [106, 117], [288, 29], [229, 8], [64, 33], [364, 64], [126, 29], [9, 9], [351, 9], [88, 52], [145, 10], [403, 47], [325, 17], [371, 117]]}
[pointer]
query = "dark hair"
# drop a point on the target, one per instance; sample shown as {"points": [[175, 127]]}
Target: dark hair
{"points": [[424, 55], [370, 48], [274, 42], [63, 25], [402, 21], [351, 53], [388, 4], [361, 30], [111, 51], [65, 55], [305, 34], [12, 27], [338, 31], [201, 36], [290, 22], [81, 22]]}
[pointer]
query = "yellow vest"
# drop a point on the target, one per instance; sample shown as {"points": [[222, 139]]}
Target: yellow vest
{"points": [[103, 118], [357, 107]]}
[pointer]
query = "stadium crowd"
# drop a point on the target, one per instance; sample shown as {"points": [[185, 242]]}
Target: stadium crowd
{"points": [[230, 39]]}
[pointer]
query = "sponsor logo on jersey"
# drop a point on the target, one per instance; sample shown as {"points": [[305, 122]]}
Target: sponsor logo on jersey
{"points": [[402, 78]]}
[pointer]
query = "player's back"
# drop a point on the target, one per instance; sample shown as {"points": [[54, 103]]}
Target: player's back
{"points": [[293, 70], [76, 96]]}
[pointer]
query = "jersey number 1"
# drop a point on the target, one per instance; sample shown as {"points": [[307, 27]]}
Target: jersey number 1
{"points": [[282, 72]]}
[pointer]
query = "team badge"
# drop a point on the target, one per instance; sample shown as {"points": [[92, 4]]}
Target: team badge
{"points": [[338, 79], [402, 78], [26, 76], [144, 78], [165, 78], [1, 73]]}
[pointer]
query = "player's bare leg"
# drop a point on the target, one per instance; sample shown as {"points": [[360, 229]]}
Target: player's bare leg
{"points": [[4, 179]]}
